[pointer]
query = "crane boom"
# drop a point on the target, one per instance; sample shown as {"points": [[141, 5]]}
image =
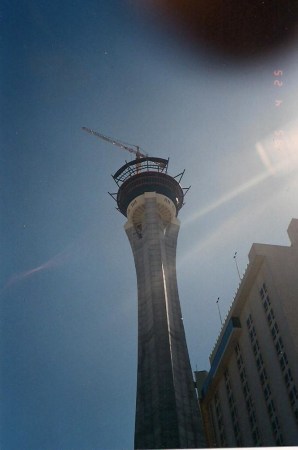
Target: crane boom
{"points": [[135, 150]]}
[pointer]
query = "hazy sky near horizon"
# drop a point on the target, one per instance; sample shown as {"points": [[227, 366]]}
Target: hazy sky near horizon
{"points": [[68, 283]]}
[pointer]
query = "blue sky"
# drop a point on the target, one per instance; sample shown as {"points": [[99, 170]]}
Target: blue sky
{"points": [[68, 284]]}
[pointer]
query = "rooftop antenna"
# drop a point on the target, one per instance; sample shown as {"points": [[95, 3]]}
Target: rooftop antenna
{"points": [[217, 301], [235, 259]]}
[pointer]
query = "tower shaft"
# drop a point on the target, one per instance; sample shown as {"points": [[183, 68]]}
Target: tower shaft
{"points": [[167, 414]]}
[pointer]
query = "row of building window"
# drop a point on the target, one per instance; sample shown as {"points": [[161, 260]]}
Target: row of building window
{"points": [[264, 382], [219, 418], [248, 399], [279, 347], [233, 409]]}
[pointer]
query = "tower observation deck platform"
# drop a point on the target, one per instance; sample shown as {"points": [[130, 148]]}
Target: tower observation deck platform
{"points": [[147, 175], [167, 411]]}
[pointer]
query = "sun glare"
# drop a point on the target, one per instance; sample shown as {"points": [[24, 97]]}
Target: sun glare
{"points": [[279, 152]]}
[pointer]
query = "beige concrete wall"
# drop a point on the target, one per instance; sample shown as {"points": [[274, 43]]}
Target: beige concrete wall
{"points": [[277, 268]]}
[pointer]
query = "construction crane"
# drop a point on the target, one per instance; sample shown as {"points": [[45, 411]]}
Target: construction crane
{"points": [[132, 149]]}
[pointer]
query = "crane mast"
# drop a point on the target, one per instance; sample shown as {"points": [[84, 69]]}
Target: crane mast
{"points": [[132, 149]]}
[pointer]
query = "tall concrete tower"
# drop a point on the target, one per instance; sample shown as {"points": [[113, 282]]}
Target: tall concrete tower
{"points": [[167, 413]]}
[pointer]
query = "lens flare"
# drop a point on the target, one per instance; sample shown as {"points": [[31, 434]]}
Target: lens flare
{"points": [[227, 197], [57, 260]]}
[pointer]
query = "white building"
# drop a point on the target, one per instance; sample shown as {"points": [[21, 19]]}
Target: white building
{"points": [[250, 396]]}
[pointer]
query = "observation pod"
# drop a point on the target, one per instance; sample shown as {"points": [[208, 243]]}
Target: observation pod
{"points": [[147, 175], [167, 411]]}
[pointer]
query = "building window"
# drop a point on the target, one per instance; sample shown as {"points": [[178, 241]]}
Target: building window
{"points": [[245, 389], [275, 425], [249, 403], [237, 349], [242, 375], [267, 391], [256, 437], [263, 376], [252, 334], [274, 331], [276, 431], [279, 346], [239, 361], [288, 377], [283, 361], [263, 290], [271, 408], [293, 395], [279, 440], [249, 321], [256, 348], [259, 362], [270, 317]]}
